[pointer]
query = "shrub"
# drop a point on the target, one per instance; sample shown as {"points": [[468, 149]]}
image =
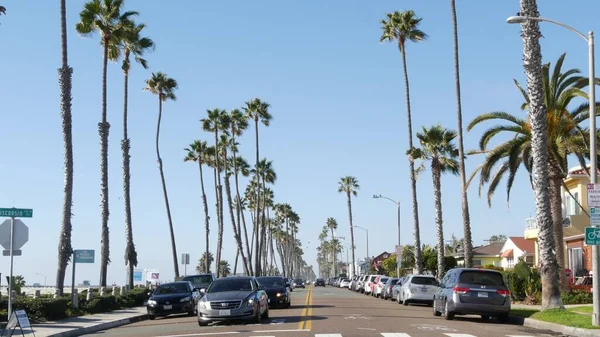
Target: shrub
{"points": [[576, 297]]}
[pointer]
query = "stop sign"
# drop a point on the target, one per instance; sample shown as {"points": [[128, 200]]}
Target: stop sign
{"points": [[20, 236]]}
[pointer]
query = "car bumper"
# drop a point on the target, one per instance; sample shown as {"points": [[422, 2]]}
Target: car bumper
{"points": [[278, 301], [236, 314], [159, 309], [480, 309], [420, 297]]}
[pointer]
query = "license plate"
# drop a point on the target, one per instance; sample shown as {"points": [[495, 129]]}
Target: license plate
{"points": [[168, 307], [482, 294], [423, 290], [224, 312]]}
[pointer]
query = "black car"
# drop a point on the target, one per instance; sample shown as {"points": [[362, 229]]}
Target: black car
{"points": [[276, 288], [299, 283], [320, 282], [200, 281], [173, 298]]}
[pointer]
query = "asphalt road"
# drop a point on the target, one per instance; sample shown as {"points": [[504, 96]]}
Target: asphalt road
{"points": [[333, 312]]}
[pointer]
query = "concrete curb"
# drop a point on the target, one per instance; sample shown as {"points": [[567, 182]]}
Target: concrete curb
{"points": [[541, 325], [102, 326]]}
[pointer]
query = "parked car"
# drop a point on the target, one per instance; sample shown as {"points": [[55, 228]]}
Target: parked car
{"points": [[200, 281], [173, 298], [370, 284], [360, 285], [396, 289], [469, 291], [387, 288], [418, 289], [277, 290], [344, 283], [299, 283], [320, 282], [378, 285], [233, 298]]}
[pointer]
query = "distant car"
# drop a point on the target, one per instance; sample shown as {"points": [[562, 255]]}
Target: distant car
{"points": [[320, 282], [173, 298], [298, 283], [344, 283], [200, 281], [277, 290], [233, 298], [418, 289]]}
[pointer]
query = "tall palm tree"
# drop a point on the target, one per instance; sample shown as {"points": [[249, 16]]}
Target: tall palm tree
{"points": [[224, 268], [197, 152], [403, 27], [331, 223], [132, 43], [349, 185], [437, 147], [532, 62], [565, 134], [203, 262], [105, 17], [65, 249], [240, 166], [467, 240], [164, 87], [217, 121], [257, 110], [265, 173]]}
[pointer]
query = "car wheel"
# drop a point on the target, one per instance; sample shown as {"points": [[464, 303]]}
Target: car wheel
{"points": [[398, 299], [151, 317], [435, 312], [503, 318], [485, 317], [203, 323], [265, 315], [448, 315]]}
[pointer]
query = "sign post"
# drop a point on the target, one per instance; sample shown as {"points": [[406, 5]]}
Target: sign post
{"points": [[79, 256], [592, 234], [16, 241], [185, 260]]}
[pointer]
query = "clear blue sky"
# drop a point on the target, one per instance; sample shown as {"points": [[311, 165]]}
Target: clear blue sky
{"points": [[337, 98]]}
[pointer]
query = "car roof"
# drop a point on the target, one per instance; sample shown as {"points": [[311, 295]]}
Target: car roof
{"points": [[242, 277]]}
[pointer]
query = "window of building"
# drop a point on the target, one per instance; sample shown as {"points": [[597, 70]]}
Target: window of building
{"points": [[385, 256], [530, 260], [510, 262], [575, 256], [477, 263], [572, 206]]}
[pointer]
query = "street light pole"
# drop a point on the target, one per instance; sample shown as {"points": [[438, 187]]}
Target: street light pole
{"points": [[366, 230], [593, 155], [398, 261]]}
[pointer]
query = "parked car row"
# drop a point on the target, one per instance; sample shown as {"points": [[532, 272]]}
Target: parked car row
{"points": [[223, 299], [462, 291]]}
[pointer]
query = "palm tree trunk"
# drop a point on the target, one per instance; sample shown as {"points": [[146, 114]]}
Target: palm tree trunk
{"points": [[236, 234], [351, 230], [437, 199], [206, 216], [333, 249], [249, 258], [257, 218], [468, 242], [532, 62], [103, 129], [130, 253], [217, 195], [164, 188], [239, 211], [413, 177], [65, 249], [263, 225], [557, 224], [235, 264]]}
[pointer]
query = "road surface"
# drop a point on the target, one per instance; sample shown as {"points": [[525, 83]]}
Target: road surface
{"points": [[333, 312]]}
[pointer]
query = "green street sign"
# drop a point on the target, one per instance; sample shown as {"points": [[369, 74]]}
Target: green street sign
{"points": [[592, 236], [16, 212], [84, 256]]}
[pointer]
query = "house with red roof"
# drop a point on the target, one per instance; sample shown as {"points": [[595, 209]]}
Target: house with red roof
{"points": [[516, 249]]}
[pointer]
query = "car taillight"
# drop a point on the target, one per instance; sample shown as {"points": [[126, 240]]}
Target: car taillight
{"points": [[459, 290], [504, 293]]}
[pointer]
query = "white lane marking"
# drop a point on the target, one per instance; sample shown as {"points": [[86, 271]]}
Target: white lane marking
{"points": [[204, 334], [288, 330], [370, 329], [394, 334], [328, 335], [277, 321], [519, 336], [458, 335], [432, 327]]}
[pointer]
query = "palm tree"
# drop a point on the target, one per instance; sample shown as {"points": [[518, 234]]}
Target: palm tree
{"points": [[224, 269], [258, 111], [217, 120], [65, 249], [467, 240], [240, 166], [197, 152], [105, 17], [532, 62], [332, 225], [132, 43], [164, 87], [403, 27], [3, 9], [438, 148], [265, 173], [204, 262], [349, 185], [565, 135]]}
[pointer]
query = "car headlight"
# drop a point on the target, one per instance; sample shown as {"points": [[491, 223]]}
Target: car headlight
{"points": [[279, 294], [185, 299], [152, 302], [202, 304], [250, 302]]}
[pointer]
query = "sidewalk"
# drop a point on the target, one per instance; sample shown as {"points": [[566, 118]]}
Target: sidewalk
{"points": [[539, 307], [77, 326]]}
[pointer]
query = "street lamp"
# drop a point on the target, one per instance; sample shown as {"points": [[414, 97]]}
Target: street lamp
{"points": [[592, 115], [366, 230], [379, 196]]}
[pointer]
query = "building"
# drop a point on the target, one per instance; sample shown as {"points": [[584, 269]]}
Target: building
{"points": [[483, 255], [577, 254], [515, 249], [378, 260]]}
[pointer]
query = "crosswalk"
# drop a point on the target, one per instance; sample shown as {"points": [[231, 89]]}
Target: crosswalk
{"points": [[404, 334]]}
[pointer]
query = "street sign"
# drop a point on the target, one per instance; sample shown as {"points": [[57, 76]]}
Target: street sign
{"points": [[20, 236], [595, 216], [84, 256], [16, 212], [592, 236], [185, 259], [593, 195], [16, 252]]}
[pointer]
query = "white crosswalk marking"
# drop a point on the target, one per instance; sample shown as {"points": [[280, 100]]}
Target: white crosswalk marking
{"points": [[328, 335], [518, 336], [458, 335], [394, 334]]}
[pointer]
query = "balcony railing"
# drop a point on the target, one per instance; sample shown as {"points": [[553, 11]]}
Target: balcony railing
{"points": [[530, 223]]}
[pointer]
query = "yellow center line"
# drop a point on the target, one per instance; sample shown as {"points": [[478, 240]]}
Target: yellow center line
{"points": [[306, 310], [308, 324]]}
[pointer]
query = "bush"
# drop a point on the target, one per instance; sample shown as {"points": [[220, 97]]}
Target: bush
{"points": [[576, 297], [39, 309]]}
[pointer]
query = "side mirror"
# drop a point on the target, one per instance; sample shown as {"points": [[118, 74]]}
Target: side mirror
{"points": [[203, 291]]}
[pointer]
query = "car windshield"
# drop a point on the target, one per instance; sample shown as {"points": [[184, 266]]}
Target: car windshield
{"points": [[383, 279], [171, 288], [487, 278], [298, 280], [199, 279], [230, 284], [270, 282], [428, 281], [393, 281]]}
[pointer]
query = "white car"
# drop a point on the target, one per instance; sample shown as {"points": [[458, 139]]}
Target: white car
{"points": [[378, 285], [344, 283], [418, 289]]}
